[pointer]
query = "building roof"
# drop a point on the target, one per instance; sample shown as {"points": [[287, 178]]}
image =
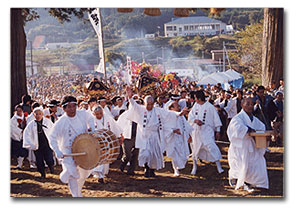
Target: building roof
{"points": [[191, 20]]}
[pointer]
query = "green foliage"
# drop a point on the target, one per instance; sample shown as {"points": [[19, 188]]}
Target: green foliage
{"points": [[249, 46]]}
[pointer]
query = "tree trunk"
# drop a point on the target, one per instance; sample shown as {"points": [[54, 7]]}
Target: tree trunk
{"points": [[272, 46], [17, 57]]}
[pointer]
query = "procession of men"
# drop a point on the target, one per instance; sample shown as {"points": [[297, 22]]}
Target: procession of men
{"points": [[181, 123]]}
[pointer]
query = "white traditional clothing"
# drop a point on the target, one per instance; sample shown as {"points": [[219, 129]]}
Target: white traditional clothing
{"points": [[31, 157], [230, 108], [106, 122], [115, 111], [61, 139], [17, 124], [182, 103], [177, 144], [203, 137], [246, 162], [30, 136], [156, 126], [126, 125], [16, 133]]}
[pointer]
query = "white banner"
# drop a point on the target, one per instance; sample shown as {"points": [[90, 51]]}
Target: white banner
{"points": [[95, 19]]}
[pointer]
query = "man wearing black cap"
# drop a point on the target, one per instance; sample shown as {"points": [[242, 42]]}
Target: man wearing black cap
{"points": [[51, 111]]}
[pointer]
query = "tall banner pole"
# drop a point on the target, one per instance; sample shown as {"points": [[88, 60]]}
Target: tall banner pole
{"points": [[96, 20]]}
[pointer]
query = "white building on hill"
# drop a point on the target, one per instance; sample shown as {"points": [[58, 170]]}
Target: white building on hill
{"points": [[189, 26]]}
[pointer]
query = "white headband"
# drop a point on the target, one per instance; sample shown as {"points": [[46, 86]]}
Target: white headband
{"points": [[69, 103], [38, 108]]}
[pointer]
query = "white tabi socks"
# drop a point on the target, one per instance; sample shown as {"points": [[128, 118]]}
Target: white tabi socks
{"points": [[194, 170], [176, 171], [219, 167], [20, 162], [73, 186]]}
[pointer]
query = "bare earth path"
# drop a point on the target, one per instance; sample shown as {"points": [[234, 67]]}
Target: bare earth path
{"points": [[206, 183]]}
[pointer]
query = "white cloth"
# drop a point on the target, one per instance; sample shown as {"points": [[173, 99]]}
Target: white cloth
{"points": [[106, 122], [16, 132], [203, 137], [47, 113], [167, 104], [182, 103], [177, 145], [62, 136], [246, 162], [156, 126], [116, 110], [231, 108], [126, 125], [30, 136], [30, 118]]}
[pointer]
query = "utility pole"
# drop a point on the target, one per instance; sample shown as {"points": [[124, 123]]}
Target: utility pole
{"points": [[31, 62], [224, 56], [143, 57]]}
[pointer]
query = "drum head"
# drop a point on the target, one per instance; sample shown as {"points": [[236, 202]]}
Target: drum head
{"points": [[86, 143]]}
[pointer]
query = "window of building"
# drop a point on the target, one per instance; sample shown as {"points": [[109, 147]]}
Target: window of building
{"points": [[213, 27], [186, 28], [217, 27], [175, 34], [174, 28], [169, 28], [180, 29], [196, 27], [191, 27]]}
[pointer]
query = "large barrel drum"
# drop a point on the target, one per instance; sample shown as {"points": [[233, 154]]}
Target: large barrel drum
{"points": [[101, 147]]}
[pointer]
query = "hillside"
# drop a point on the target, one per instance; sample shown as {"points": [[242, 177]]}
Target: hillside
{"points": [[124, 36]]}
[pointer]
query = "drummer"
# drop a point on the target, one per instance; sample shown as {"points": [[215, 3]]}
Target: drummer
{"points": [[65, 130], [247, 163], [104, 121]]}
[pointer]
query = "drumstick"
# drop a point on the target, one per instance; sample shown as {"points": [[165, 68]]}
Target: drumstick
{"points": [[75, 154]]}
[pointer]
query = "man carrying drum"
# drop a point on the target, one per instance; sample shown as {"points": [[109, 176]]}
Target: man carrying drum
{"points": [[71, 124]]}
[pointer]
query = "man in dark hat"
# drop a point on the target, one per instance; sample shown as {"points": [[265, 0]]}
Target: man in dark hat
{"points": [[51, 111], [26, 104]]}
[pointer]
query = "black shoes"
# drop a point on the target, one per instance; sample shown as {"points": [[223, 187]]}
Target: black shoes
{"points": [[51, 169], [101, 180]]}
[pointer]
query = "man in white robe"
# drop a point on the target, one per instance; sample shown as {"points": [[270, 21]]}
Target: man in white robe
{"points": [[247, 163], [177, 144], [205, 120], [35, 138], [31, 157], [64, 131], [104, 121], [156, 126]]}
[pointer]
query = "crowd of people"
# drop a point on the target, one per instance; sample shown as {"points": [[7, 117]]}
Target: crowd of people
{"points": [[180, 121]]}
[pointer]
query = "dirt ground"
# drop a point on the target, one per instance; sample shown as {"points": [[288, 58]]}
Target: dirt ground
{"points": [[206, 183]]}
